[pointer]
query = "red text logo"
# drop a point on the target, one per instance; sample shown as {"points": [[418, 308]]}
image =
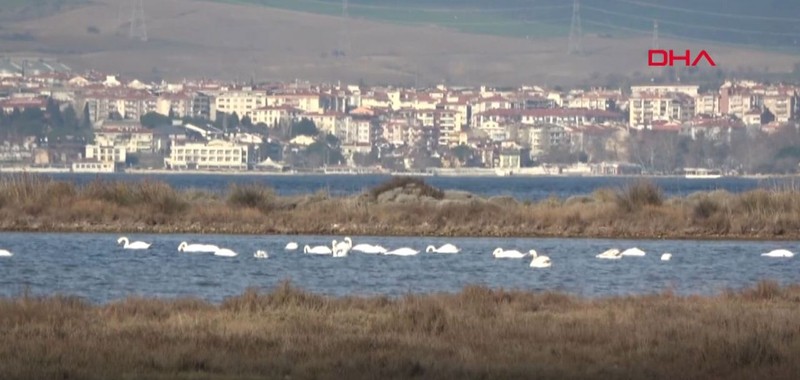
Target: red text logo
{"points": [[668, 58]]}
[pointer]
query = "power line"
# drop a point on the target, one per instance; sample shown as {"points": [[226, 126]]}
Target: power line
{"points": [[356, 6], [708, 13], [696, 26]]}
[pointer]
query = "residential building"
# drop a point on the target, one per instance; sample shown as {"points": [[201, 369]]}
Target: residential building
{"points": [[106, 153], [645, 108], [216, 154], [241, 102], [274, 116], [663, 89]]}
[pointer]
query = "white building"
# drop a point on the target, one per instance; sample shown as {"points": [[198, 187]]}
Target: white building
{"points": [[106, 153], [216, 154]]}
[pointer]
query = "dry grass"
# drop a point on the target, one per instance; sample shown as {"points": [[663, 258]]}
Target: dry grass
{"points": [[478, 333], [32, 203]]}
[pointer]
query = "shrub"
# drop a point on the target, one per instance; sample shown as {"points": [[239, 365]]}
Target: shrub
{"points": [[252, 196], [639, 194], [407, 182]]}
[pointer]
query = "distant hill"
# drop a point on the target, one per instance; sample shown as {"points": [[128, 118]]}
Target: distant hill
{"points": [[195, 38], [773, 24], [17, 10]]}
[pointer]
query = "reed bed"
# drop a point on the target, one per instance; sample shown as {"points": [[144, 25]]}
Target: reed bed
{"points": [[401, 206], [479, 333]]}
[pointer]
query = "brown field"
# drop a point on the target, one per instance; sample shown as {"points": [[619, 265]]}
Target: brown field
{"points": [[190, 38], [476, 334], [402, 206]]}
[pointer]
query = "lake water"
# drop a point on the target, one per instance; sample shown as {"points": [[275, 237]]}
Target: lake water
{"points": [[94, 267], [523, 188]]}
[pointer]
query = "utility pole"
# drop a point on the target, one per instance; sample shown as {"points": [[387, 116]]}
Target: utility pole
{"points": [[575, 32]]}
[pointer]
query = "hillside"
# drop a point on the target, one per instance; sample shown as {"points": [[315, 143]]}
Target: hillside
{"points": [[189, 38]]}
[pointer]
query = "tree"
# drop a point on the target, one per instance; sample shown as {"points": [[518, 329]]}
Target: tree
{"points": [[246, 121], [304, 127], [154, 119], [53, 113], [320, 154]]}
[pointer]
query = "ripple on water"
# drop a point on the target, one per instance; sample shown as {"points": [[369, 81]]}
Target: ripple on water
{"points": [[92, 265]]}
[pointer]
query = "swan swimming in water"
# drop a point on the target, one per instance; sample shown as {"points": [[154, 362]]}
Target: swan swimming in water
{"points": [[405, 251], [318, 250], [225, 252], [291, 246], [611, 254], [539, 261], [186, 247], [447, 248], [341, 249], [134, 245], [778, 253], [368, 248], [632, 252], [666, 257], [499, 253], [4, 253], [261, 254]]}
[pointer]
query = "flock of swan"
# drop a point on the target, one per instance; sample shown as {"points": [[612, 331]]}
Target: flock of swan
{"points": [[344, 247]]}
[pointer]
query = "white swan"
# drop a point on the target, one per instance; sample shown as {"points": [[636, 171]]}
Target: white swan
{"points": [[405, 251], [778, 253], [134, 245], [539, 261], [340, 249], [186, 247], [225, 252], [499, 253], [368, 248], [261, 254], [611, 254], [447, 248], [4, 253], [318, 250], [666, 257], [291, 246], [632, 252]]}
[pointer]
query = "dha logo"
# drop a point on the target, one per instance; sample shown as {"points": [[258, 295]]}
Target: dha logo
{"points": [[668, 58]]}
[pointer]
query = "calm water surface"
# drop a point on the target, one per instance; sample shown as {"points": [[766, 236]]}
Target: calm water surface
{"points": [[94, 267]]}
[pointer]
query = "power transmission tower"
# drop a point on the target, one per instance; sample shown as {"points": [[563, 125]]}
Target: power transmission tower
{"points": [[655, 35], [575, 32], [138, 28], [343, 48]]}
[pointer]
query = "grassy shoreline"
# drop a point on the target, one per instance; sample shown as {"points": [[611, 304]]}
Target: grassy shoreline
{"points": [[402, 206], [478, 333]]}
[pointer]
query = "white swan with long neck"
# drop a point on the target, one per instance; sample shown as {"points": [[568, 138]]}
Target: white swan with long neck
{"points": [[133, 245], [291, 246], [341, 249], [778, 253], [5, 253], [225, 252], [611, 254], [368, 248], [633, 252], [405, 251], [500, 253], [539, 261], [186, 247], [447, 248], [318, 250], [261, 254]]}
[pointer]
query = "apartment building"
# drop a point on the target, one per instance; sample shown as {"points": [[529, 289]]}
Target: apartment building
{"points": [[241, 102], [449, 124], [662, 89], [306, 101], [216, 154], [274, 116], [645, 108], [544, 136], [106, 153], [707, 104]]}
